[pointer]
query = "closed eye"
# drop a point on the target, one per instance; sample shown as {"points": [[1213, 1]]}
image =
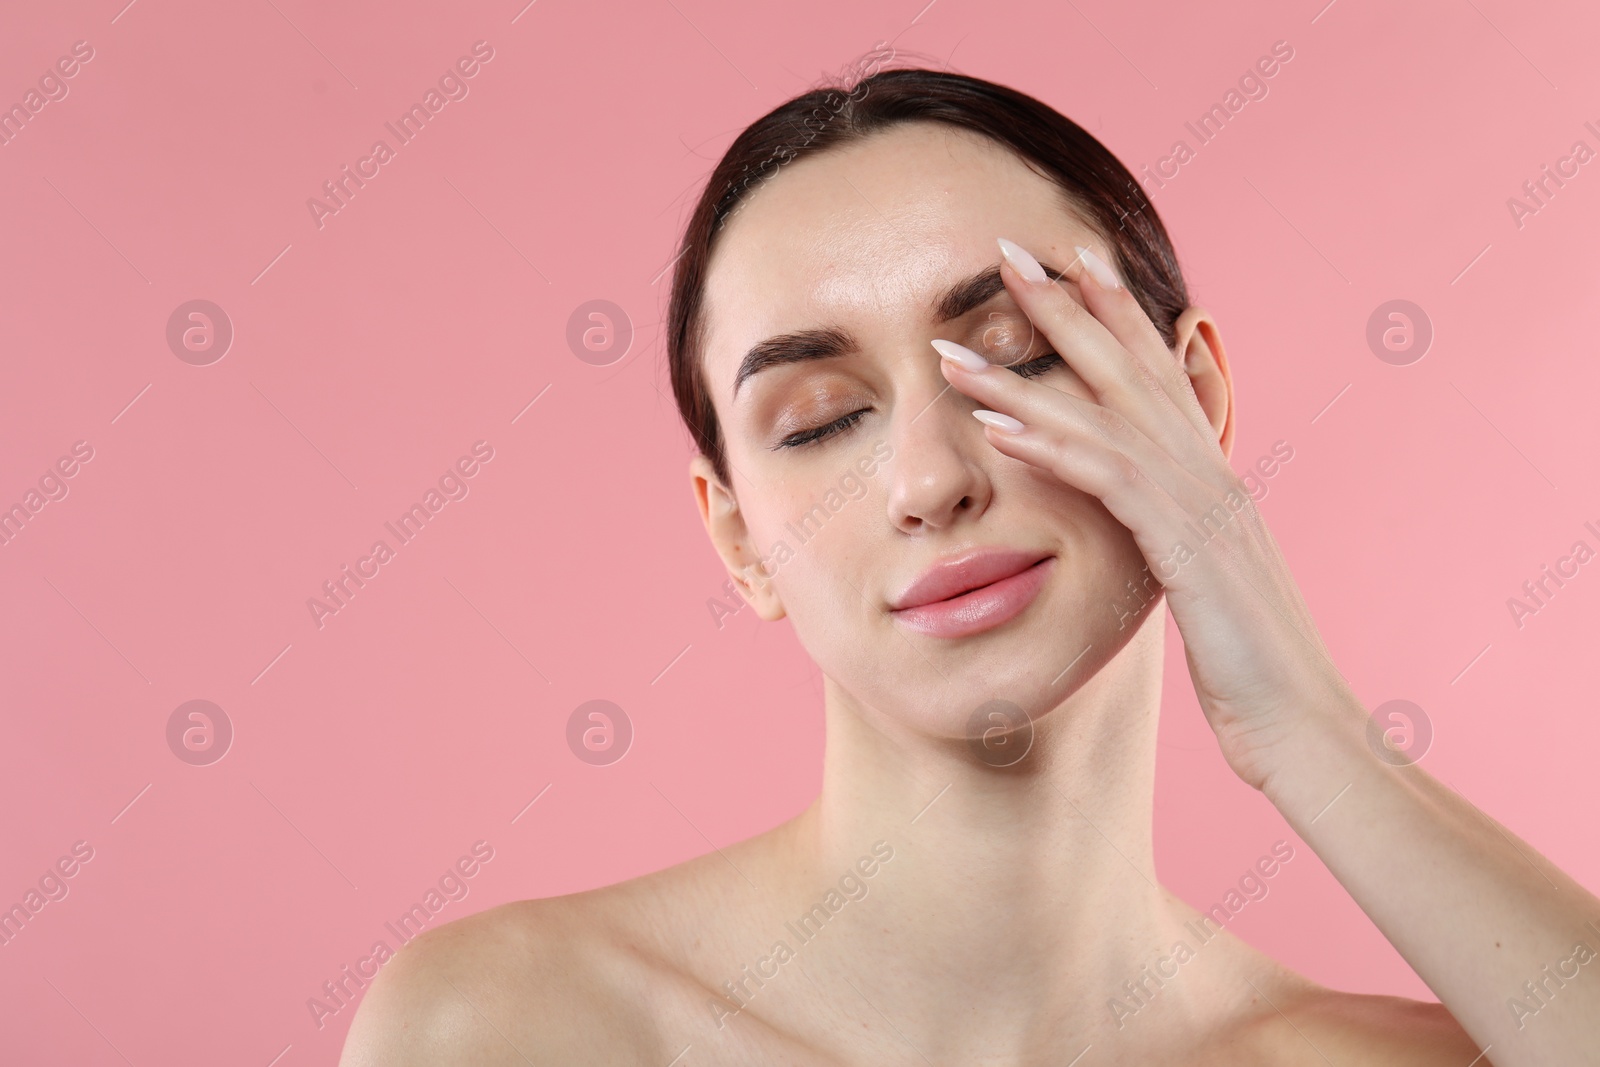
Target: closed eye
{"points": [[1035, 367], [808, 437], [804, 438]]}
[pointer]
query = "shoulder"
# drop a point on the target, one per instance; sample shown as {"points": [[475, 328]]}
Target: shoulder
{"points": [[1381, 1031], [607, 975], [601, 976], [515, 983]]}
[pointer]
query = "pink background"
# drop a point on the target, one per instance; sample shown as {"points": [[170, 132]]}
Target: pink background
{"points": [[370, 353]]}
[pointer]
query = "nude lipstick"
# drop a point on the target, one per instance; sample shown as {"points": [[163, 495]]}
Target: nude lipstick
{"points": [[972, 593]]}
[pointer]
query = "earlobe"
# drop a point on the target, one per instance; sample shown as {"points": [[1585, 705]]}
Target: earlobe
{"points": [[759, 593], [725, 525]]}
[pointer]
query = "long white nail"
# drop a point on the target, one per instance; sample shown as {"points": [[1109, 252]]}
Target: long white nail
{"points": [[1104, 275], [1024, 263], [1000, 422], [961, 356]]}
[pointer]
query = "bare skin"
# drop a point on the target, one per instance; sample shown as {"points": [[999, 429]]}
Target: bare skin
{"points": [[987, 914], [628, 974]]}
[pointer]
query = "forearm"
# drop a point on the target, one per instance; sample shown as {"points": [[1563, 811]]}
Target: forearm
{"points": [[1476, 911]]}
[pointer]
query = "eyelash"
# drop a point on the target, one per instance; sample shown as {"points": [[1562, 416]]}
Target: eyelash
{"points": [[1031, 369]]}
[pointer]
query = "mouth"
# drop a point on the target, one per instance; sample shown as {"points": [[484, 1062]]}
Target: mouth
{"points": [[975, 594]]}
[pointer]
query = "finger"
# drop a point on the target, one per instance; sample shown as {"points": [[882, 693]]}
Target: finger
{"points": [[1123, 359], [1116, 308], [1057, 411], [1174, 519], [1072, 424], [1200, 545]]}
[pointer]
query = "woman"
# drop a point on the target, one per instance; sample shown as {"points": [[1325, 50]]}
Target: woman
{"points": [[948, 301]]}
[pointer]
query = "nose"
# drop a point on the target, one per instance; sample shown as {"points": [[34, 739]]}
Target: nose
{"points": [[936, 478]]}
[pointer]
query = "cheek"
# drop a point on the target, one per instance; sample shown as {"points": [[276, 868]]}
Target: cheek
{"points": [[810, 541], [824, 556], [1098, 554], [1112, 592]]}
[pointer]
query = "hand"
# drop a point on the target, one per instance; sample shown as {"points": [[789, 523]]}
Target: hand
{"points": [[1147, 451], [1440, 880]]}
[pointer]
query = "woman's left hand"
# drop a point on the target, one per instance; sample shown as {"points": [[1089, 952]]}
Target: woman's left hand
{"points": [[1147, 450], [1472, 908]]}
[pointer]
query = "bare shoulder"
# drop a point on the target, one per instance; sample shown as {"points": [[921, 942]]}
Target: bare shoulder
{"points": [[540, 981], [602, 976], [1381, 1031]]}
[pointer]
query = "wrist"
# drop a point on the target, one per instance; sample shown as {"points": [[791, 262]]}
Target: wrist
{"points": [[1316, 758]]}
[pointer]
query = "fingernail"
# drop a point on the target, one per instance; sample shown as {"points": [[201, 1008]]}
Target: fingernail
{"points": [[961, 356], [1024, 263], [1001, 422], [1102, 274]]}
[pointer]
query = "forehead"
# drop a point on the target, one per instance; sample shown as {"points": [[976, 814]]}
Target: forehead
{"points": [[864, 236]]}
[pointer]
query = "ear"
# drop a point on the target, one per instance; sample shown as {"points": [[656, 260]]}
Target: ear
{"points": [[1206, 363], [725, 526]]}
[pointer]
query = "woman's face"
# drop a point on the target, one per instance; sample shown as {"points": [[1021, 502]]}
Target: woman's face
{"points": [[835, 519]]}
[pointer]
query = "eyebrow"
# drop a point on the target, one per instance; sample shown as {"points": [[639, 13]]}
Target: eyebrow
{"points": [[803, 346]]}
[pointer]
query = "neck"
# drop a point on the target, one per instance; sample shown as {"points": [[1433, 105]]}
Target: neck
{"points": [[1020, 894]]}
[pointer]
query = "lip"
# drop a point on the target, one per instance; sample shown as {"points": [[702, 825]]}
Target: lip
{"points": [[972, 593]]}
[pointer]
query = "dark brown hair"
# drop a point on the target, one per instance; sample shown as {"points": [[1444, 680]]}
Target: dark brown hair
{"points": [[1094, 183]]}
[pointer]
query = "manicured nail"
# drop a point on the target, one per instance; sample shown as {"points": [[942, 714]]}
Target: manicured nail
{"points": [[1024, 263], [961, 356], [1102, 274], [1004, 423]]}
